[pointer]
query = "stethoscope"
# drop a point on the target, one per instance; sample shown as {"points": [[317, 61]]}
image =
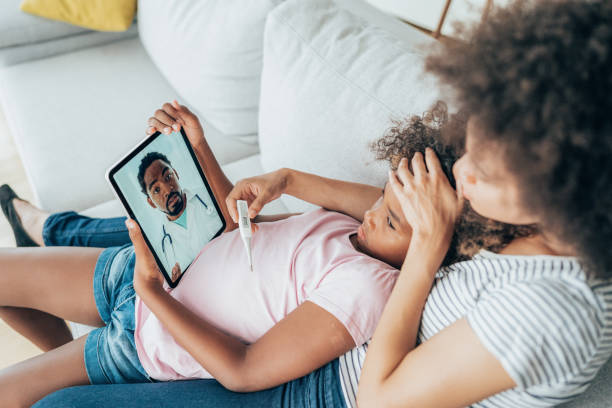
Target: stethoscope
{"points": [[166, 237]]}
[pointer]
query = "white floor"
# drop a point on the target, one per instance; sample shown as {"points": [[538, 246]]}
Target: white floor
{"points": [[13, 347]]}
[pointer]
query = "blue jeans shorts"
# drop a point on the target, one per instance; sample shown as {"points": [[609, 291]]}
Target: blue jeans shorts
{"points": [[110, 351]]}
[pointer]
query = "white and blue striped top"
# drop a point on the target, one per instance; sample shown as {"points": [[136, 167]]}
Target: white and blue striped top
{"points": [[548, 324]]}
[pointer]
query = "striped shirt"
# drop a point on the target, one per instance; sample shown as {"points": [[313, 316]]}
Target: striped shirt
{"points": [[548, 324]]}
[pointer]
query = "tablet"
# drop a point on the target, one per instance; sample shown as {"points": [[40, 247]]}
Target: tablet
{"points": [[163, 188]]}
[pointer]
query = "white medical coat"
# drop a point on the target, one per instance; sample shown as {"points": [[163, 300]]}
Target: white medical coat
{"points": [[183, 244]]}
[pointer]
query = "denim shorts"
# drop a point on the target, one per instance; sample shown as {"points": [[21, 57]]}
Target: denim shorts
{"points": [[110, 351]]}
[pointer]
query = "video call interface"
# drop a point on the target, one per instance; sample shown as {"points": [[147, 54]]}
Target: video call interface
{"points": [[170, 201]]}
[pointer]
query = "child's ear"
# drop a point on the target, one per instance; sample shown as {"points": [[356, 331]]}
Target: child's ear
{"points": [[151, 203]]}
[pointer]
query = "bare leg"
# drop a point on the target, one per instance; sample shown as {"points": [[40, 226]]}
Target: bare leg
{"points": [[44, 330], [32, 219], [57, 281], [24, 383]]}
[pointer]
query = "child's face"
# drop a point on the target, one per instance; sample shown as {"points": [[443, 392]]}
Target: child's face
{"points": [[384, 233]]}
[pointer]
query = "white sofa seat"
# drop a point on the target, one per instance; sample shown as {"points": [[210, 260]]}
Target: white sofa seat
{"points": [[68, 133]]}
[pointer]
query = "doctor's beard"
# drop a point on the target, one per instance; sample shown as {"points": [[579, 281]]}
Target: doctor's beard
{"points": [[177, 207]]}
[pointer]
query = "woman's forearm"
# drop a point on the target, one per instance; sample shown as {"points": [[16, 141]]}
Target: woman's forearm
{"points": [[396, 333], [352, 199]]}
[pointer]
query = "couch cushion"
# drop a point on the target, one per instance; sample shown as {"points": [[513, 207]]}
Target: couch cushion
{"points": [[74, 115], [210, 51], [332, 81], [109, 15], [599, 393]]}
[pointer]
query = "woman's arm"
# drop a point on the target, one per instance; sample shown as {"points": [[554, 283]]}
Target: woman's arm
{"points": [[453, 368], [306, 339]]}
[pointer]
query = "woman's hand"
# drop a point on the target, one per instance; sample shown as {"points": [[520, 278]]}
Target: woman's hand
{"points": [[146, 273], [431, 206], [257, 191], [171, 117]]}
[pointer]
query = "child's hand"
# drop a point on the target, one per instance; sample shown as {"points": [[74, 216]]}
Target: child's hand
{"points": [[429, 203], [176, 271], [146, 273], [256, 191], [171, 117]]}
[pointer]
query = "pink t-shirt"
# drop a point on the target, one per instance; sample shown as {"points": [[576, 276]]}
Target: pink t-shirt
{"points": [[307, 257]]}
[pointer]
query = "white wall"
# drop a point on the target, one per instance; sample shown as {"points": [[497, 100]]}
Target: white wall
{"points": [[426, 13]]}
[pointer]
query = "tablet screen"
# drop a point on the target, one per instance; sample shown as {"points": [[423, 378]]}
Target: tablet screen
{"points": [[165, 191]]}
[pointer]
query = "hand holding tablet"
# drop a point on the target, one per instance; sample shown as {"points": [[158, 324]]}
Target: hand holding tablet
{"points": [[163, 188], [174, 116]]}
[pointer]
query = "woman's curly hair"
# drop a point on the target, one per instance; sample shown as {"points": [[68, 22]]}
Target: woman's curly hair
{"points": [[436, 130], [537, 76]]}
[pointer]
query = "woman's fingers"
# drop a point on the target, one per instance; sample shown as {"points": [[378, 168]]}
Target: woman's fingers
{"points": [[433, 163], [395, 184], [418, 166], [403, 174]]}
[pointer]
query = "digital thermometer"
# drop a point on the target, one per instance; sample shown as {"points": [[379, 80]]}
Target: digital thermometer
{"points": [[244, 224]]}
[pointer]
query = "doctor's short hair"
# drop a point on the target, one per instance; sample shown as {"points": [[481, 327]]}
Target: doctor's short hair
{"points": [[146, 161]]}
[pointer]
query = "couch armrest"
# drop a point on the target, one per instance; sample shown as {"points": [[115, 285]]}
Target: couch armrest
{"points": [[16, 54], [25, 37]]}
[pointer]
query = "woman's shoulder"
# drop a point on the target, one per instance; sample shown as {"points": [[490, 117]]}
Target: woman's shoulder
{"points": [[543, 280], [545, 305]]}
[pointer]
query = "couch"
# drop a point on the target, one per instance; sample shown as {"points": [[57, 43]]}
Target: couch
{"points": [[301, 84]]}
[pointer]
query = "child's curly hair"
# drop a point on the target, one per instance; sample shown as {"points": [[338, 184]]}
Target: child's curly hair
{"points": [[435, 129]]}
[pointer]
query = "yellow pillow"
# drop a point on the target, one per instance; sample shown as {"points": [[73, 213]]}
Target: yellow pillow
{"points": [[103, 15]]}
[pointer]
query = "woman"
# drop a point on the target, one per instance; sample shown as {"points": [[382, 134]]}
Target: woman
{"points": [[529, 326]]}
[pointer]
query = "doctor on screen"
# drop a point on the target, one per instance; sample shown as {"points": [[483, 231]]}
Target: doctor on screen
{"points": [[189, 222]]}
